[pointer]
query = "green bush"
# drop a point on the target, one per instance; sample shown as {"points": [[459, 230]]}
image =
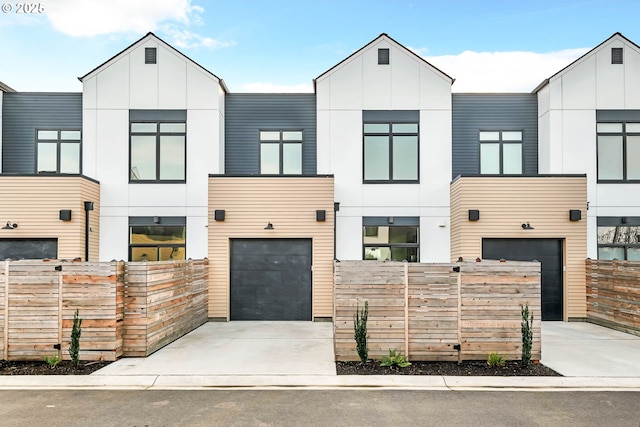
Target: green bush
{"points": [[395, 358], [360, 329], [495, 359], [74, 347], [527, 335], [53, 360]]}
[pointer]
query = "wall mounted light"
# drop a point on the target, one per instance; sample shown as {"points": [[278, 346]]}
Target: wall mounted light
{"points": [[390, 220], [10, 226], [321, 215], [219, 214], [156, 220], [527, 226], [269, 226], [65, 215], [474, 215], [575, 215]]}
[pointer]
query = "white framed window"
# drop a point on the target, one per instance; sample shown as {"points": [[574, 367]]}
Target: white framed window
{"points": [[281, 152], [58, 151], [501, 152]]}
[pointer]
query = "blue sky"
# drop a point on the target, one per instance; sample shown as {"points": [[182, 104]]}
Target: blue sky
{"points": [[282, 45]]}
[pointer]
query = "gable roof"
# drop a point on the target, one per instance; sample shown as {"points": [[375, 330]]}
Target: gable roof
{"points": [[613, 36], [151, 35], [382, 36], [5, 88]]}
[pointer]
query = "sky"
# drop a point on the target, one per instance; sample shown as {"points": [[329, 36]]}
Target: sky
{"points": [[282, 45]]}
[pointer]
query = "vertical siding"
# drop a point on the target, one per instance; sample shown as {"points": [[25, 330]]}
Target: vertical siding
{"points": [[290, 204], [34, 203], [474, 112], [247, 113], [23, 113], [505, 203]]}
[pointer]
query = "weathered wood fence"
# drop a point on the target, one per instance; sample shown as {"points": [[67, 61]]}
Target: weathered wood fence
{"points": [[127, 309], [456, 311], [613, 294]]}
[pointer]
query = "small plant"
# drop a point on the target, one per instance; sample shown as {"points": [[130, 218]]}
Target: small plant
{"points": [[527, 335], [74, 347], [495, 359], [360, 329], [53, 360], [395, 358]]}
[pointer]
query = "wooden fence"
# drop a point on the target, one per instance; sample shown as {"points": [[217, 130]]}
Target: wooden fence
{"points": [[38, 300], [613, 294], [457, 311]]}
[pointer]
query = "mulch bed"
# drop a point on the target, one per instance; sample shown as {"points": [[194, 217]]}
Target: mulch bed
{"points": [[466, 368], [42, 368]]}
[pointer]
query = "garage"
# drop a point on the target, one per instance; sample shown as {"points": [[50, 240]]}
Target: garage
{"points": [[28, 248], [548, 252], [270, 279]]}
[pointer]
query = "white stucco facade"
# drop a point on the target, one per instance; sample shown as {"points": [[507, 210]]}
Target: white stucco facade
{"points": [[127, 83], [360, 84], [567, 107]]}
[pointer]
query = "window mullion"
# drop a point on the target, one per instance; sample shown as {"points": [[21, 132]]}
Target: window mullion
{"points": [[158, 152], [390, 139]]}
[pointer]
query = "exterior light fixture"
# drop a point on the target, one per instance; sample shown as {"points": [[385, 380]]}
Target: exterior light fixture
{"points": [[10, 226], [269, 226], [527, 226], [575, 215]]}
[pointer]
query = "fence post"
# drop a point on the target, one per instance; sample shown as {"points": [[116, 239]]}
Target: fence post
{"points": [[5, 333], [460, 313], [406, 309], [60, 318]]}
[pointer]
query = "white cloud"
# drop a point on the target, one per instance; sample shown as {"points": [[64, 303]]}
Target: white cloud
{"points": [[186, 39], [262, 87], [502, 71]]}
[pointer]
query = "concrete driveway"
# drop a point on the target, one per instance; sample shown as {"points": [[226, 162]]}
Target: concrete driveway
{"points": [[240, 348]]}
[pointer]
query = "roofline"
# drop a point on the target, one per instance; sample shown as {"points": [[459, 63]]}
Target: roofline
{"points": [[222, 83], [370, 43], [5, 88], [547, 80]]}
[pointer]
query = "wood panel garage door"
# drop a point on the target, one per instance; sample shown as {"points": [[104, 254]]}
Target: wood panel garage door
{"points": [[28, 248], [548, 252], [270, 279]]}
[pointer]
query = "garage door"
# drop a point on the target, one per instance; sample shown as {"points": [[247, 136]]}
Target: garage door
{"points": [[270, 279], [548, 252], [28, 248]]}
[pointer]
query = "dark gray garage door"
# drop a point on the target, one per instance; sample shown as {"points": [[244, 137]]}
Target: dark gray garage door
{"points": [[548, 252], [28, 248], [270, 279]]}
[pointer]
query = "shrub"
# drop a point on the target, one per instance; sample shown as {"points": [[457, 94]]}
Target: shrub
{"points": [[74, 347], [527, 335], [395, 358], [360, 329], [495, 359], [53, 360]]}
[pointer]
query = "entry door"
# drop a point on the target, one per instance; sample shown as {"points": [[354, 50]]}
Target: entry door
{"points": [[270, 279], [548, 252]]}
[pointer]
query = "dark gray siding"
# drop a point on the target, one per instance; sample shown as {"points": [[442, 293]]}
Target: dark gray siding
{"points": [[23, 113], [246, 114], [475, 112]]}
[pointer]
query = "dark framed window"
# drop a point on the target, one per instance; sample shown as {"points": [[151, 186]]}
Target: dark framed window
{"points": [[281, 152], [391, 152], [157, 238], [58, 151], [158, 151], [619, 238], [501, 152], [618, 151], [395, 239]]}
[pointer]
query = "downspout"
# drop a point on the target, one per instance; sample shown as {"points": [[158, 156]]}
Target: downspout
{"points": [[88, 206]]}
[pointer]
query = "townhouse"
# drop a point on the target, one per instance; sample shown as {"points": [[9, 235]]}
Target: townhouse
{"points": [[157, 160]]}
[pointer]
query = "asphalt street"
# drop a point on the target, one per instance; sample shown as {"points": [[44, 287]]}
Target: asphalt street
{"points": [[316, 408]]}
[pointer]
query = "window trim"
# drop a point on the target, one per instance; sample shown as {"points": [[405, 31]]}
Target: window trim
{"points": [[58, 141], [158, 134], [281, 142], [390, 134], [501, 144], [623, 134]]}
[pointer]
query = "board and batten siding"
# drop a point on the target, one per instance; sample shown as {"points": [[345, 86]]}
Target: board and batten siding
{"points": [[248, 113], [23, 113], [290, 204], [34, 203], [475, 112], [505, 203]]}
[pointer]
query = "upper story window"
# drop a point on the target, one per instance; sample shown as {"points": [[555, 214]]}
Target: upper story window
{"points": [[158, 151], [58, 151], [391, 152], [281, 152], [618, 151], [391, 239], [501, 152]]}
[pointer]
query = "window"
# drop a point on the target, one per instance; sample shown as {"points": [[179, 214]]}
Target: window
{"points": [[383, 56], [616, 55], [393, 239], [618, 151], [501, 152], [157, 238], [158, 151], [150, 55], [58, 151], [619, 242], [390, 152], [281, 152]]}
